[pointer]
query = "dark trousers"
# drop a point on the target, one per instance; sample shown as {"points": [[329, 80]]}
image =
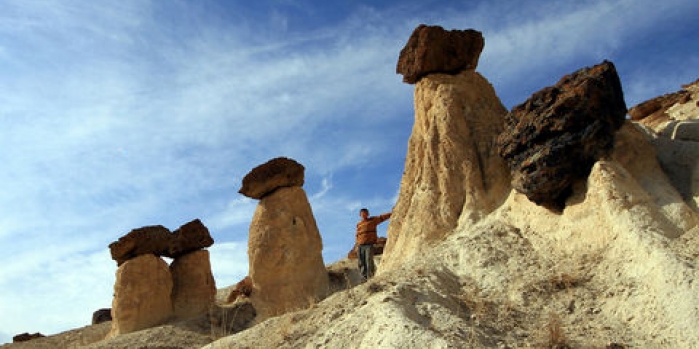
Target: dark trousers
{"points": [[365, 255]]}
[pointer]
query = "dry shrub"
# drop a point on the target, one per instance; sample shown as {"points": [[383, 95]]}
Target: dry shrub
{"points": [[555, 337]]}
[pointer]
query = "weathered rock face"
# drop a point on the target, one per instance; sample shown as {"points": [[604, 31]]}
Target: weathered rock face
{"points": [[675, 120], [660, 112], [101, 315], [431, 49], [557, 135], [268, 177], [142, 295], [194, 288], [190, 237], [284, 250], [453, 173], [146, 240]]}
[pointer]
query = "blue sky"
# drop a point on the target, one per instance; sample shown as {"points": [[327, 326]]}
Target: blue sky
{"points": [[120, 114]]}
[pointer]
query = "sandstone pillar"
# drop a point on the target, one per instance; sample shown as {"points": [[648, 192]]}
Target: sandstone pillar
{"points": [[141, 295], [194, 288], [284, 250]]}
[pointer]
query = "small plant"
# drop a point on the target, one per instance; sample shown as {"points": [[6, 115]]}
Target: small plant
{"points": [[556, 337]]}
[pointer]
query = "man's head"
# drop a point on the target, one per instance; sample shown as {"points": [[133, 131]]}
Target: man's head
{"points": [[364, 213]]}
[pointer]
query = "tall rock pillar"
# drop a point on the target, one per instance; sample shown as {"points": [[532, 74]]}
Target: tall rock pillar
{"points": [[453, 173], [284, 247]]}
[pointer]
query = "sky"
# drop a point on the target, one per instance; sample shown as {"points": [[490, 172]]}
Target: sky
{"points": [[120, 114]]}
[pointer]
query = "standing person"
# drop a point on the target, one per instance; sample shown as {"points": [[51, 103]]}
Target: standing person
{"points": [[366, 238]]}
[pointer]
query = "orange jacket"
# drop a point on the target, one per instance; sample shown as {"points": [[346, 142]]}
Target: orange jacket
{"points": [[366, 229]]}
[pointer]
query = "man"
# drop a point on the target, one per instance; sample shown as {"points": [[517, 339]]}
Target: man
{"points": [[366, 238]]}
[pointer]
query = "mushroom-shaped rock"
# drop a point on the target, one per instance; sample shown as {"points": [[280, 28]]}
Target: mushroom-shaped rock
{"points": [[561, 131], [274, 174], [431, 49]]}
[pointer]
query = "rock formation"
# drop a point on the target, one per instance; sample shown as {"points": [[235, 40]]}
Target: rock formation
{"points": [[24, 337], [431, 49], [268, 177], [147, 292], [242, 288], [557, 135], [146, 240], [284, 247], [659, 112], [194, 288], [674, 118], [453, 174], [101, 315], [190, 237], [142, 295], [159, 241]]}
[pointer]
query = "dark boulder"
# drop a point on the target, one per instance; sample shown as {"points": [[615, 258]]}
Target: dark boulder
{"points": [[154, 239], [24, 337], [431, 49], [272, 175], [159, 241], [190, 237], [102, 315], [556, 136]]}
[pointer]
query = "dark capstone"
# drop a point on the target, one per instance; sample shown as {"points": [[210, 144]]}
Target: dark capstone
{"points": [[272, 175], [153, 239], [556, 136], [159, 241], [431, 49], [190, 237], [102, 315]]}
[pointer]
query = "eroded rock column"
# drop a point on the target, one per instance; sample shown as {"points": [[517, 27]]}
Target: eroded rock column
{"points": [[453, 174], [284, 247]]}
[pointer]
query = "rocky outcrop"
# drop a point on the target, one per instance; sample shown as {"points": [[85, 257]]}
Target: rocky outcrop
{"points": [[277, 173], [284, 250], [159, 241], [24, 337], [675, 122], [431, 49], [101, 315], [658, 113], [194, 288], [142, 295], [557, 135]]}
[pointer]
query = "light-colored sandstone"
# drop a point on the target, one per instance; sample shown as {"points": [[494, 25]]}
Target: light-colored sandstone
{"points": [[453, 174], [194, 287], [141, 295], [634, 151], [284, 250]]}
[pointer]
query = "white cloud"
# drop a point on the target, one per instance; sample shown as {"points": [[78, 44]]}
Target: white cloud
{"points": [[229, 262]]}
